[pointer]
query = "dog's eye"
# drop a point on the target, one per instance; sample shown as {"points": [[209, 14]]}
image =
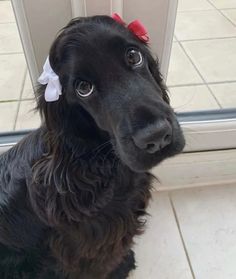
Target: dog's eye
{"points": [[134, 57], [84, 88]]}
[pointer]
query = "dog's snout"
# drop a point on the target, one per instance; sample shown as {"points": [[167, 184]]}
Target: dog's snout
{"points": [[154, 137]]}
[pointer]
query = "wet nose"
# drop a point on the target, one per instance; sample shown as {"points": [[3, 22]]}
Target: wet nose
{"points": [[154, 137]]}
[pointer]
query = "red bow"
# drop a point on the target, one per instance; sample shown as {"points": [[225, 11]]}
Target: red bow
{"points": [[135, 26]]}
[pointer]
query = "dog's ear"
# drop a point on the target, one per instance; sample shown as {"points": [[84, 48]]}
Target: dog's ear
{"points": [[52, 113], [155, 71]]}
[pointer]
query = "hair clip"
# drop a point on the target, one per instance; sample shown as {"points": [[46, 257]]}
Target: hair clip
{"points": [[49, 77], [135, 27]]}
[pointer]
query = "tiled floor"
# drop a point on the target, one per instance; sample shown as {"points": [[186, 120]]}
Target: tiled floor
{"points": [[202, 73], [16, 93], [191, 234]]}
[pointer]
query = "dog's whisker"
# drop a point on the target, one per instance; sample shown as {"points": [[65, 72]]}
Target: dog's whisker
{"points": [[102, 147], [105, 143], [115, 160], [106, 155]]}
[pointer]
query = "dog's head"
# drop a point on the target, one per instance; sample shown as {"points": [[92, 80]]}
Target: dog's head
{"points": [[110, 75]]}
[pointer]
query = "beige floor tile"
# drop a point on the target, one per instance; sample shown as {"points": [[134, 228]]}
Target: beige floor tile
{"points": [[7, 116], [215, 59], [192, 98], [203, 25], [159, 252], [6, 12], [27, 118], [193, 5], [9, 38], [208, 224], [224, 4], [28, 92], [12, 72], [181, 71], [231, 14], [225, 94]]}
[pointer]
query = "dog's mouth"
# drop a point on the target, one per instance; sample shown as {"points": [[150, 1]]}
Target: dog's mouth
{"points": [[140, 160]]}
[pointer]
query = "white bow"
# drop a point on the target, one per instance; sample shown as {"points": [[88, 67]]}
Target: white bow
{"points": [[49, 77]]}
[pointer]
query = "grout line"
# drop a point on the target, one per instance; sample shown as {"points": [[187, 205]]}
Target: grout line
{"points": [[228, 18], [213, 9], [27, 99], [198, 84], [19, 102], [219, 10], [181, 236], [192, 11], [9, 53], [213, 95], [226, 9], [198, 71], [12, 22], [6, 22], [16, 116], [185, 85], [176, 39], [209, 2], [207, 39], [9, 101]]}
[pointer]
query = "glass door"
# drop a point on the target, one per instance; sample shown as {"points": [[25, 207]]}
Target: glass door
{"points": [[202, 70]]}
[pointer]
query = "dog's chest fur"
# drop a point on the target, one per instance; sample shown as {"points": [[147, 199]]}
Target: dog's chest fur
{"points": [[103, 239], [109, 204]]}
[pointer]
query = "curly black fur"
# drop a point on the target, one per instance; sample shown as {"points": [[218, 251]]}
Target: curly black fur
{"points": [[73, 193]]}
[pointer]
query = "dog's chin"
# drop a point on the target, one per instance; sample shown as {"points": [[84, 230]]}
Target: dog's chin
{"points": [[142, 161], [143, 165]]}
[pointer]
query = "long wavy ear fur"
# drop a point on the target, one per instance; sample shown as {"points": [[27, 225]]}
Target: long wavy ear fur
{"points": [[62, 188]]}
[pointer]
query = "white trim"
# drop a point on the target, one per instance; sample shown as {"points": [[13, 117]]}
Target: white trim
{"points": [[5, 147], [117, 6], [19, 11], [197, 169], [85, 8], [169, 34], [217, 121], [78, 8], [210, 135]]}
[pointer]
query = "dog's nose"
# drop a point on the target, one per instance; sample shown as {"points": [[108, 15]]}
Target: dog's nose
{"points": [[154, 137]]}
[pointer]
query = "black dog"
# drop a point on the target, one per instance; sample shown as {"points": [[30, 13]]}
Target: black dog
{"points": [[73, 193]]}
